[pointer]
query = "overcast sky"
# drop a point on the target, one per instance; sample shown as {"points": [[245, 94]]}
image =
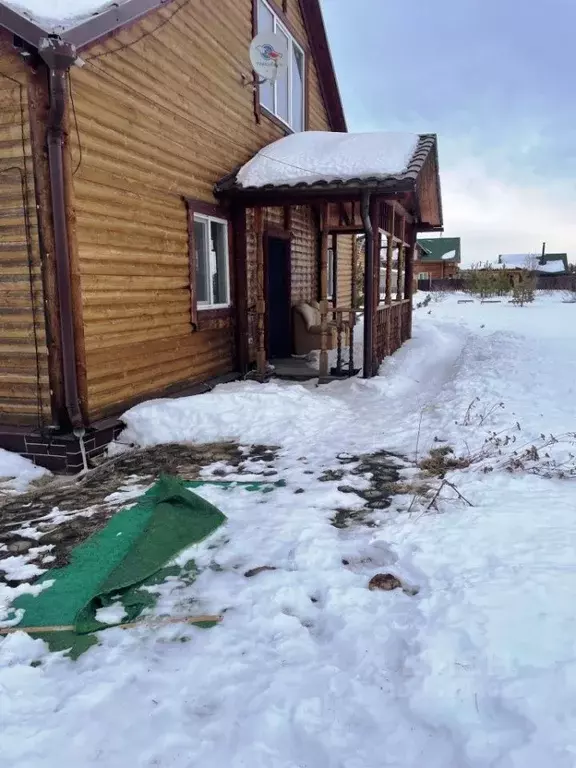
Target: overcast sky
{"points": [[496, 80]]}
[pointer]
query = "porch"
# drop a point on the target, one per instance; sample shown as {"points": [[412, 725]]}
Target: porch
{"points": [[354, 261]]}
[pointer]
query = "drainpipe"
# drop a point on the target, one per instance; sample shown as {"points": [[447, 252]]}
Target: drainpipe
{"points": [[368, 285], [59, 57]]}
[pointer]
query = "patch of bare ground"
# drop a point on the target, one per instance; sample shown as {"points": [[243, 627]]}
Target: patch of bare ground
{"points": [[62, 512]]}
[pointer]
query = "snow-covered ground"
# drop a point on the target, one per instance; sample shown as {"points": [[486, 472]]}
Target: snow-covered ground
{"points": [[310, 669], [16, 472]]}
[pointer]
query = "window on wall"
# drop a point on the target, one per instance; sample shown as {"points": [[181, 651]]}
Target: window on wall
{"points": [[212, 275], [423, 276], [331, 276], [285, 97]]}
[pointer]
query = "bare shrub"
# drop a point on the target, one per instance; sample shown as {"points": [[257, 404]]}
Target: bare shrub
{"points": [[485, 281], [524, 290]]}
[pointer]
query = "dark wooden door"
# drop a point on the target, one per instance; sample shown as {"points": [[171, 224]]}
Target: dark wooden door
{"points": [[278, 298]]}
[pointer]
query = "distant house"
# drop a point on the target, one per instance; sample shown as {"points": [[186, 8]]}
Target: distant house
{"points": [[437, 258], [548, 264]]}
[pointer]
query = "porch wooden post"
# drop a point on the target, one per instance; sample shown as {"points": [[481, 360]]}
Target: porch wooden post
{"points": [[334, 246], [353, 287], [390, 253], [260, 293], [374, 211], [324, 292], [401, 261], [240, 298], [409, 284]]}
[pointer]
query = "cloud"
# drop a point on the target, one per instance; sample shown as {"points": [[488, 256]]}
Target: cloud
{"points": [[494, 215]]}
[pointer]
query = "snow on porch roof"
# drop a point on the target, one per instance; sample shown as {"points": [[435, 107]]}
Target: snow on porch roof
{"points": [[322, 157], [60, 15]]}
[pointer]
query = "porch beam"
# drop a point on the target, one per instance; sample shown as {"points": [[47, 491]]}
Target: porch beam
{"points": [[324, 291], [390, 253], [401, 260], [409, 282], [347, 230], [334, 243], [238, 217], [260, 294]]}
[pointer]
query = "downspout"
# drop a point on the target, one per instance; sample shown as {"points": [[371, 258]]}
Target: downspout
{"points": [[59, 57], [368, 286]]}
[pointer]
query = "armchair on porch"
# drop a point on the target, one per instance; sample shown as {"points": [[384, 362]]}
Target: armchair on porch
{"points": [[308, 330]]}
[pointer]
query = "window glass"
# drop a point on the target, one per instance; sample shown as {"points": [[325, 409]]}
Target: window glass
{"points": [[265, 18], [330, 274], [283, 87], [285, 97], [218, 263], [297, 89], [202, 293]]}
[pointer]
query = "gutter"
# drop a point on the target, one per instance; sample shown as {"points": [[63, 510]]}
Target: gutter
{"points": [[368, 286], [59, 56]]}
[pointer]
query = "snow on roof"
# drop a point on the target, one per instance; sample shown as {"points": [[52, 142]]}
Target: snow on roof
{"points": [[531, 261], [449, 255], [520, 260], [59, 15], [551, 266], [314, 156]]}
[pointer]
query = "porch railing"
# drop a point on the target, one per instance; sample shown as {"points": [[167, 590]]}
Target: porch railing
{"points": [[393, 326], [344, 319]]}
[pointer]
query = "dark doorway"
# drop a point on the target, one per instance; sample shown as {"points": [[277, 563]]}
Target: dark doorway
{"points": [[278, 298]]}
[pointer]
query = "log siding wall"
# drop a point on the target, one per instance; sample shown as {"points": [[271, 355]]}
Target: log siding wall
{"points": [[161, 112], [24, 380]]}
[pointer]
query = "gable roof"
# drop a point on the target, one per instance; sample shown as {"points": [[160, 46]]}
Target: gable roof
{"points": [[319, 160], [93, 19], [550, 263], [441, 249]]}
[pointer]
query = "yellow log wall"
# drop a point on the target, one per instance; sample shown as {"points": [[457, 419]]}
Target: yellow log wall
{"points": [[24, 384], [344, 246], [160, 111]]}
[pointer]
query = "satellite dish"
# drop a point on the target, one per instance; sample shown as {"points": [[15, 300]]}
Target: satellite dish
{"points": [[269, 55]]}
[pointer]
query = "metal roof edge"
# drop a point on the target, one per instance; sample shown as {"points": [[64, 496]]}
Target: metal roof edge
{"points": [[21, 26]]}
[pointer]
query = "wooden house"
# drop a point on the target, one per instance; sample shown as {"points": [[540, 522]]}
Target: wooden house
{"points": [[132, 262], [437, 258], [535, 263]]}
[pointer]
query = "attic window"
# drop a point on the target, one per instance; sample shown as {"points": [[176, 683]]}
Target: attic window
{"points": [[284, 98]]}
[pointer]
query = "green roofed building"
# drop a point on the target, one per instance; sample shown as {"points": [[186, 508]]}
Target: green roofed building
{"points": [[437, 258]]}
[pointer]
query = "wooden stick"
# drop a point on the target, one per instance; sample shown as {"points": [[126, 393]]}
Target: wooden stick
{"points": [[150, 624]]}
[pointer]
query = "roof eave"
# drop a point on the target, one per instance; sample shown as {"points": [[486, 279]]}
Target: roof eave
{"points": [[84, 33], [301, 193], [21, 26], [110, 20]]}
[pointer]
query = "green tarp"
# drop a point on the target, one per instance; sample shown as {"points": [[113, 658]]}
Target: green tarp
{"points": [[116, 562]]}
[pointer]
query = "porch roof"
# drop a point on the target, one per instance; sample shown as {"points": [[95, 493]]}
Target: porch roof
{"points": [[322, 161]]}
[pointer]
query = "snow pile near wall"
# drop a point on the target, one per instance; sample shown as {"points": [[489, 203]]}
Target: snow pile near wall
{"points": [[315, 156], [16, 471]]}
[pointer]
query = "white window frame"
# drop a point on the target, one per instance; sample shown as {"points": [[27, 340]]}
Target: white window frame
{"points": [[209, 220], [330, 276], [291, 44], [423, 275]]}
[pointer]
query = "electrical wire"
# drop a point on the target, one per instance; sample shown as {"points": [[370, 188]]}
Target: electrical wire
{"points": [[142, 37], [195, 126], [28, 235], [71, 92]]}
